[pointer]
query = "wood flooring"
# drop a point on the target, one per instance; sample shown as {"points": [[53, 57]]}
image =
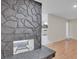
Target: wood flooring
{"points": [[65, 49]]}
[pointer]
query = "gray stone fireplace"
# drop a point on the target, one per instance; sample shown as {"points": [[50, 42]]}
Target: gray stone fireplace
{"points": [[20, 20]]}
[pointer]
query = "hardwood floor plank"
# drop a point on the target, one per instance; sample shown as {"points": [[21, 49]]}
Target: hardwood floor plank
{"points": [[65, 49]]}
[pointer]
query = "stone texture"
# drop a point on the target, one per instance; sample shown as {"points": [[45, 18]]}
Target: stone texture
{"points": [[2, 19], [34, 11], [3, 6], [28, 31], [8, 37], [28, 23], [7, 48], [6, 30], [20, 21], [12, 18], [11, 24], [19, 37], [9, 12], [19, 16], [19, 30], [27, 2]]}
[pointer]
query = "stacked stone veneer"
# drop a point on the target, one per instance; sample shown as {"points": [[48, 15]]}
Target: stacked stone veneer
{"points": [[20, 20]]}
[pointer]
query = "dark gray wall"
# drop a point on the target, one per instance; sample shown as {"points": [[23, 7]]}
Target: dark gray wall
{"points": [[20, 20]]}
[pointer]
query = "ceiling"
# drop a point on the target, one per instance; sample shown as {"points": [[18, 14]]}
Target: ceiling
{"points": [[62, 8]]}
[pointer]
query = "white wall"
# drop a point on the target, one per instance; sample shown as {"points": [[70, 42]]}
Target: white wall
{"points": [[44, 37], [56, 28], [44, 18], [73, 28]]}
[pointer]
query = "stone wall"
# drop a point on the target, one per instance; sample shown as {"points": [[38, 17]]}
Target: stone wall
{"points": [[20, 20]]}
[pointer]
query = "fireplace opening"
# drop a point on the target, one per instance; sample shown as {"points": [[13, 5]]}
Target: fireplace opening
{"points": [[21, 46]]}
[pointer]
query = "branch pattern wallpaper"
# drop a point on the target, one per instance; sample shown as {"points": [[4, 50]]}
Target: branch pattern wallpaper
{"points": [[20, 20]]}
